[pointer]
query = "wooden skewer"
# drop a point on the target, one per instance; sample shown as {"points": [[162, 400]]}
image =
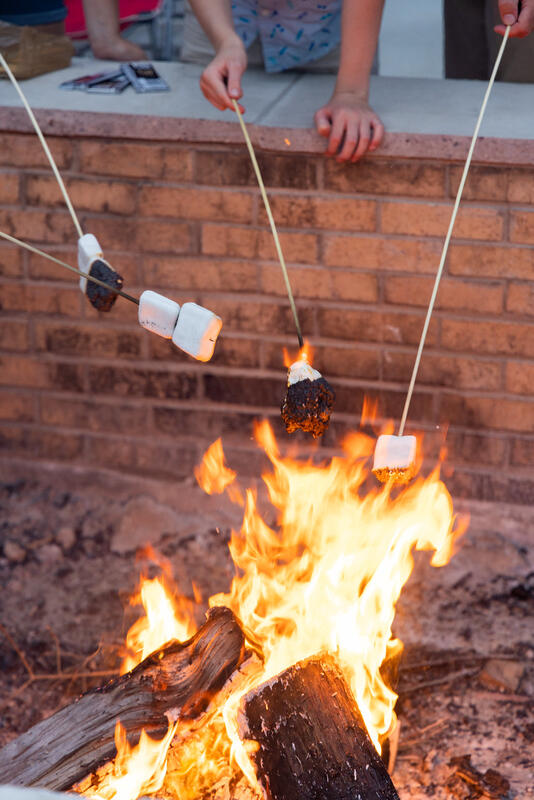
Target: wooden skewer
{"points": [[271, 221], [42, 139], [68, 266], [449, 232]]}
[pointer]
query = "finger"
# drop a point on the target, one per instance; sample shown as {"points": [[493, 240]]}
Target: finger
{"points": [[323, 122], [351, 140], [508, 11], [377, 134], [234, 80], [209, 94], [217, 86], [525, 23], [336, 134], [363, 141]]}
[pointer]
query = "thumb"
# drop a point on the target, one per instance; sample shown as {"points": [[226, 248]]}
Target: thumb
{"points": [[323, 122], [508, 10], [234, 81]]}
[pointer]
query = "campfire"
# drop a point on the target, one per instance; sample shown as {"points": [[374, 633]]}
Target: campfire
{"points": [[287, 690]]}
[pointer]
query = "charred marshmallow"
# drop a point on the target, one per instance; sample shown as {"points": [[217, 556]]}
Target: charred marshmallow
{"points": [[158, 313], [395, 458], [196, 331]]}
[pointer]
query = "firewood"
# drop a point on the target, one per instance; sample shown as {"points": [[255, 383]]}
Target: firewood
{"points": [[180, 678], [312, 740]]}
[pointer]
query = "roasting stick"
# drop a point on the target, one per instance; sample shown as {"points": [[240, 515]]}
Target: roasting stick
{"points": [[395, 455], [39, 133], [68, 266], [271, 221]]}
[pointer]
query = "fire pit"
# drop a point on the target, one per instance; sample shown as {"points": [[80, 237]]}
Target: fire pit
{"points": [[466, 675]]}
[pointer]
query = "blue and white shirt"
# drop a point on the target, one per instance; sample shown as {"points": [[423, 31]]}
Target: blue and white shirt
{"points": [[292, 32]]}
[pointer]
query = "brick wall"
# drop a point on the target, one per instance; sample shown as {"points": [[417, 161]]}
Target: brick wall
{"points": [[362, 243]]}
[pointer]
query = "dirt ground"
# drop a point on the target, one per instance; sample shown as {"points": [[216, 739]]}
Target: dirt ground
{"points": [[68, 565]]}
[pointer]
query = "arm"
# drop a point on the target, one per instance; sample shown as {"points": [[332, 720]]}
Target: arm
{"points": [[522, 21], [347, 116], [102, 22], [221, 80]]}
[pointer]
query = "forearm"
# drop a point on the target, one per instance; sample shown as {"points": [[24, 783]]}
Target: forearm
{"points": [[101, 19], [360, 26], [215, 17]]}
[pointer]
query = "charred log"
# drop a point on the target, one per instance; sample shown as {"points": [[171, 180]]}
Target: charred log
{"points": [[182, 678], [312, 740]]}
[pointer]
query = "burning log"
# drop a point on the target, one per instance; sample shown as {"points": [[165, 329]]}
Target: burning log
{"points": [[312, 739], [180, 679]]}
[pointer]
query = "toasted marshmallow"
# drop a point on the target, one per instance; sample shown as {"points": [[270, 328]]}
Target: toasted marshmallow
{"points": [[158, 313], [395, 458], [301, 371]]}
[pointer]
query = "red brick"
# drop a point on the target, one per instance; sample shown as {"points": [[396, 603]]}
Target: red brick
{"points": [[520, 299], [305, 281], [256, 317], [122, 158], [10, 261], [87, 195], [13, 334], [87, 340], [446, 371], [40, 299], [251, 243], [523, 452], [229, 351], [205, 423], [520, 186], [377, 176], [16, 406], [37, 226], [402, 328], [522, 226], [475, 449], [195, 273], [360, 287], [488, 412], [25, 150], [227, 168], [142, 382], [491, 261], [520, 377], [143, 456], [312, 211], [163, 237], [344, 323], [203, 204], [458, 295], [9, 187], [93, 416], [376, 253], [332, 361], [483, 183], [245, 390], [41, 443], [496, 338], [23, 371], [177, 164], [432, 219]]}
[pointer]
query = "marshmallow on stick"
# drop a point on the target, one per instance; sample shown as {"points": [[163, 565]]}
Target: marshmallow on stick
{"points": [[309, 399], [91, 262], [395, 458]]}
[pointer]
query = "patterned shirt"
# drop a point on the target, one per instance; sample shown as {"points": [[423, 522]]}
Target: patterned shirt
{"points": [[292, 32]]}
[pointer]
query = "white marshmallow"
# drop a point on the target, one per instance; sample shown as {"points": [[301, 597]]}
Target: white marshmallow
{"points": [[158, 313], [88, 251], [196, 331], [301, 371], [395, 452]]}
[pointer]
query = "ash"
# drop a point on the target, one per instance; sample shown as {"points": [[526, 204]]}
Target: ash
{"points": [[307, 406], [70, 558]]}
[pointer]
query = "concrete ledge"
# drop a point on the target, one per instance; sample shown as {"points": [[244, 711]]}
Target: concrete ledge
{"points": [[423, 118]]}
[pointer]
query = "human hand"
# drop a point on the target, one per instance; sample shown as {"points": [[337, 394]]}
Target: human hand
{"points": [[519, 15], [351, 126], [221, 80]]}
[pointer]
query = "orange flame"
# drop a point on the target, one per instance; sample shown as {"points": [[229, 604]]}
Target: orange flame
{"points": [[136, 770], [214, 476], [304, 354], [166, 618]]}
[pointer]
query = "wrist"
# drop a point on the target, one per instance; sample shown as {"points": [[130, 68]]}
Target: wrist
{"points": [[349, 89], [229, 40]]}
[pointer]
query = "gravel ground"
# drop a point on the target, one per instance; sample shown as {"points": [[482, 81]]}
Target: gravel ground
{"points": [[69, 561]]}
